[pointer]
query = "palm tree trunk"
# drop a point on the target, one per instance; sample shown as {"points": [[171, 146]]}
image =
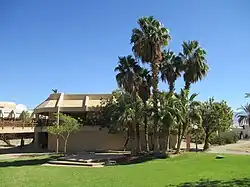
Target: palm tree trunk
{"points": [[187, 85], [146, 131], [171, 88], [138, 141], [154, 67], [127, 140], [167, 138], [179, 139], [132, 142]]}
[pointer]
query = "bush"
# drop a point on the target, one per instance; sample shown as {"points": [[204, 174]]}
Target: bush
{"points": [[224, 138]]}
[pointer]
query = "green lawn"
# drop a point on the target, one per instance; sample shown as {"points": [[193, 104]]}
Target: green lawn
{"points": [[159, 173]]}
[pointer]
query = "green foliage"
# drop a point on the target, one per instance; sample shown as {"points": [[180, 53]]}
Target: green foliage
{"points": [[134, 105], [190, 113], [25, 117], [170, 68], [244, 115], [216, 117], [67, 125], [197, 135], [120, 111], [169, 112], [194, 62], [224, 138], [247, 95], [149, 39], [128, 69]]}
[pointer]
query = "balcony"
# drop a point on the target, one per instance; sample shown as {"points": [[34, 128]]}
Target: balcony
{"points": [[19, 126]]}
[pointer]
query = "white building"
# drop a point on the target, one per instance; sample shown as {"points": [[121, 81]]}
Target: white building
{"points": [[12, 110]]}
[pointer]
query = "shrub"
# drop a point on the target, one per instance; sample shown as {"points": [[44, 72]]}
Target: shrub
{"points": [[224, 138]]}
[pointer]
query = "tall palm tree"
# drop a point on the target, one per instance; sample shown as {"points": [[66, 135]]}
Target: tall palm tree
{"points": [[128, 79], [144, 93], [170, 68], [244, 115], [194, 62], [148, 42]]}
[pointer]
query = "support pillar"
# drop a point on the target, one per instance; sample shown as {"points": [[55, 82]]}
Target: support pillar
{"points": [[36, 140]]}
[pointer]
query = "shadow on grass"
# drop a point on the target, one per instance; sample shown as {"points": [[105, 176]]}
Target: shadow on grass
{"points": [[25, 149], [30, 162], [141, 158], [244, 182]]}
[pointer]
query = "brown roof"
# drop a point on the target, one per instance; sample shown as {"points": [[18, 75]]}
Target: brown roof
{"points": [[70, 102]]}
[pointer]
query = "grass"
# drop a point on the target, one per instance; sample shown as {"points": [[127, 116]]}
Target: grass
{"points": [[176, 171]]}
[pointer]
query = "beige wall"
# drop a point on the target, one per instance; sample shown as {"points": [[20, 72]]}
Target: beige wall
{"points": [[91, 139]]}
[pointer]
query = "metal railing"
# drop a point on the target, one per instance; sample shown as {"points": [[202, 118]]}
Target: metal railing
{"points": [[17, 123], [20, 123]]}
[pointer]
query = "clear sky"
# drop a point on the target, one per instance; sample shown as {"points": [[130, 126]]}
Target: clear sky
{"points": [[73, 45]]}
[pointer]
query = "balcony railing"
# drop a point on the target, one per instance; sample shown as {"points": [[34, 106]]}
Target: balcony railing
{"points": [[16, 123], [20, 123]]}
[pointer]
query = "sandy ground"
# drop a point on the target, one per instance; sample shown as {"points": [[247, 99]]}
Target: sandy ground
{"points": [[241, 147]]}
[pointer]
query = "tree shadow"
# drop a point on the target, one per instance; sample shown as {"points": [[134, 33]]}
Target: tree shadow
{"points": [[244, 182], [141, 158], [30, 162], [24, 149]]}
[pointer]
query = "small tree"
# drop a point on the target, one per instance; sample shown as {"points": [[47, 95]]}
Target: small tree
{"points": [[216, 117], [66, 127]]}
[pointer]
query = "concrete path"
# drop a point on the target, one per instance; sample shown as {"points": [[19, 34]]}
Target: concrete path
{"points": [[242, 147]]}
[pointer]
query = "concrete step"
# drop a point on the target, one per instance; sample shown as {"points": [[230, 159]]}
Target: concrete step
{"points": [[73, 163], [77, 160]]}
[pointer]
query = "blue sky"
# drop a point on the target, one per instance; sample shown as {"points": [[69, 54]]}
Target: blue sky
{"points": [[73, 45]]}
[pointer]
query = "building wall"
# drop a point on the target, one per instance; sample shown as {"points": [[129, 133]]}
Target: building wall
{"points": [[92, 139], [89, 138]]}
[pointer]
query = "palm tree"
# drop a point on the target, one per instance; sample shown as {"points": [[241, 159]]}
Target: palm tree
{"points": [[247, 95], [194, 62], [244, 115], [187, 106], [121, 113], [170, 68], [127, 69], [144, 93], [128, 79], [169, 113], [148, 42]]}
